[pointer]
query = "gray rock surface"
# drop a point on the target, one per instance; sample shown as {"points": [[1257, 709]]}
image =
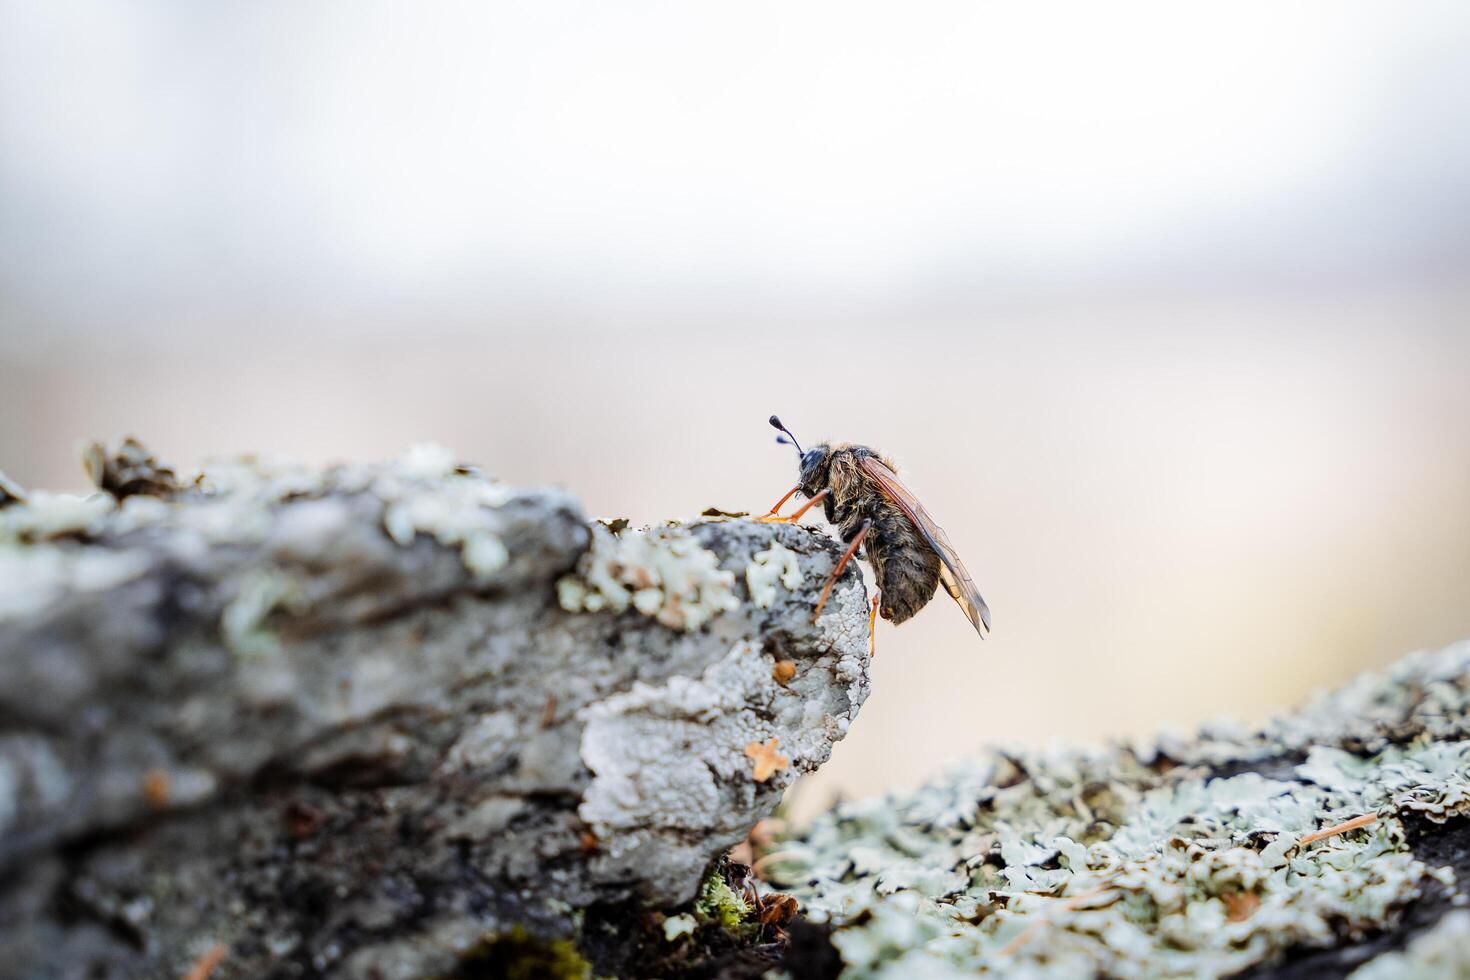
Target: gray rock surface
{"points": [[351, 722]]}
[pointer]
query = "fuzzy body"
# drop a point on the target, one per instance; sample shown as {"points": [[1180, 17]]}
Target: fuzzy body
{"points": [[904, 564]]}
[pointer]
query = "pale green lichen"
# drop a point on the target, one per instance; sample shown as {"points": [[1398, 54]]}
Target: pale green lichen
{"points": [[663, 573], [51, 543], [717, 902], [427, 461], [1442, 953], [676, 926], [230, 501], [1082, 862], [454, 510], [243, 621], [261, 478], [424, 492], [33, 575], [44, 516], [137, 512], [1424, 693], [777, 564]]}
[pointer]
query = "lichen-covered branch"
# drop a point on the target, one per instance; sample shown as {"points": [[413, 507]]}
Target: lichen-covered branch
{"points": [[404, 721], [1327, 839], [371, 721]]}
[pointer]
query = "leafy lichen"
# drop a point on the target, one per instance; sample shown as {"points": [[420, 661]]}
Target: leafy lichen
{"points": [[46, 539], [243, 621], [662, 572], [30, 576], [1121, 862], [775, 565], [45, 516], [433, 497]]}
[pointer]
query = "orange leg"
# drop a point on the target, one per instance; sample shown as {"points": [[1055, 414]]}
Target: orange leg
{"points": [[780, 503], [841, 565], [873, 627], [768, 519], [204, 966]]}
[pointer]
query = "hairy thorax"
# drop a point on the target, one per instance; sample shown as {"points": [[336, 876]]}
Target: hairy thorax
{"points": [[905, 566]]}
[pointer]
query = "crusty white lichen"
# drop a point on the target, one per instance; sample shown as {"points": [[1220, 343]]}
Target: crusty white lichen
{"points": [[427, 461], [45, 516], [453, 514], [32, 576], [428, 495], [234, 502], [777, 564], [1120, 862], [668, 758], [662, 572], [423, 491]]}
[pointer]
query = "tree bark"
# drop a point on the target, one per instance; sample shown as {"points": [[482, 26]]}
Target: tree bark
{"points": [[359, 722]]}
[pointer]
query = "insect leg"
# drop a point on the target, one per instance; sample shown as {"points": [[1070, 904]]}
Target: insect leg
{"points": [[800, 511], [841, 564], [752, 895], [873, 626], [780, 503]]}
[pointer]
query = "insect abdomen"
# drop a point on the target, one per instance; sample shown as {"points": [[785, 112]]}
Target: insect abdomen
{"points": [[906, 568]]}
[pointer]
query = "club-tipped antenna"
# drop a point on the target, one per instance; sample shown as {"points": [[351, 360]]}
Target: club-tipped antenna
{"points": [[788, 437]]}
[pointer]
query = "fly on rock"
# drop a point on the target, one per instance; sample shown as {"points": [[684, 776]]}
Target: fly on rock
{"points": [[864, 499]]}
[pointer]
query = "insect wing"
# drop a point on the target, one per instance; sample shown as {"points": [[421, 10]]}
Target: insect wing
{"points": [[957, 581]]}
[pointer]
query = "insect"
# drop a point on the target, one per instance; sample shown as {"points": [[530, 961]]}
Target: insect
{"points": [[863, 497]]}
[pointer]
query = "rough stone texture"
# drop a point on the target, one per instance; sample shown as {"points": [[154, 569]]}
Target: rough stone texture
{"points": [[342, 722], [1333, 838]]}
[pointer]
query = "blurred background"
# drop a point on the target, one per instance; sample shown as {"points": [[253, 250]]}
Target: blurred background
{"points": [[1163, 307]]}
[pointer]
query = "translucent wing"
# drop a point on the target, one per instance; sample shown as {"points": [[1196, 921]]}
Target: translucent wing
{"points": [[956, 580]]}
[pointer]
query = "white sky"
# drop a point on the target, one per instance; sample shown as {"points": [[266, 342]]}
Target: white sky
{"points": [[168, 160], [1260, 483]]}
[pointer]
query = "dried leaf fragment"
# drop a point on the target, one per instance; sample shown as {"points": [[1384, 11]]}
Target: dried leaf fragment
{"points": [[1240, 906], [1357, 823], [778, 909], [156, 788], [767, 760], [129, 471], [716, 512], [302, 820]]}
